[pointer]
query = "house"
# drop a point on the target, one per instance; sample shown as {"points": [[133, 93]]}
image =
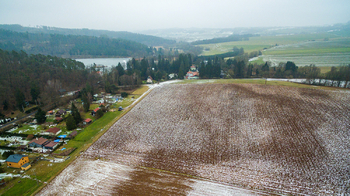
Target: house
{"points": [[172, 75], [53, 131], [51, 145], [73, 134], [61, 112], [95, 111], [38, 142], [149, 80], [193, 68], [17, 160], [192, 73], [58, 119], [50, 112], [87, 121]]}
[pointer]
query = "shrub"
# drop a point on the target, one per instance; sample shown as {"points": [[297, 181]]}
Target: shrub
{"points": [[124, 94]]}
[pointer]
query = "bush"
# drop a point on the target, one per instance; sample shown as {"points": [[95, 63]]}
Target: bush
{"points": [[99, 114], [124, 94], [6, 154]]}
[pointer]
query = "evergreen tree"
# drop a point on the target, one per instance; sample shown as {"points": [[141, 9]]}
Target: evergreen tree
{"points": [[250, 70], [5, 105], [76, 114], [20, 100], [40, 116], [181, 73], [34, 92], [265, 67], [86, 103], [70, 122]]}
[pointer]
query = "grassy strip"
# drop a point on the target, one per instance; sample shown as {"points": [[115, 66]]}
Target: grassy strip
{"points": [[307, 51], [258, 81], [47, 171]]}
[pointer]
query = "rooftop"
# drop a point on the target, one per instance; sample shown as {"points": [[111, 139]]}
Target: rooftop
{"points": [[51, 144], [15, 158], [39, 141], [53, 130]]}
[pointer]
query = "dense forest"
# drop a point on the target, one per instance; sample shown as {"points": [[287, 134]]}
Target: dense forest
{"points": [[144, 39], [230, 38], [71, 45], [37, 78]]}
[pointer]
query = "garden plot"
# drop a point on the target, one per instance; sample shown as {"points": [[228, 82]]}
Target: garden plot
{"points": [[271, 138]]}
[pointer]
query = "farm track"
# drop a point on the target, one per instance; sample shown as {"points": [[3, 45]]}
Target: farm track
{"points": [[272, 138]]}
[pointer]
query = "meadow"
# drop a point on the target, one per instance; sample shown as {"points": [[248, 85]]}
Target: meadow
{"points": [[261, 42], [301, 49]]}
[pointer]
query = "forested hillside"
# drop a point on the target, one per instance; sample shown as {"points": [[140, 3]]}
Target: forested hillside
{"points": [[26, 77], [144, 39], [70, 45]]}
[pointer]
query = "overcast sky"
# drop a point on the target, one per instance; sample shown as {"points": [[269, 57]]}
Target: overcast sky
{"points": [[133, 15]]}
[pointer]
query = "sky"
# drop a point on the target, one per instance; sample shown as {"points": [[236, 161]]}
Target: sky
{"points": [[136, 15]]}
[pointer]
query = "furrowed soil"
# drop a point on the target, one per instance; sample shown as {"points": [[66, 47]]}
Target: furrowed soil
{"points": [[220, 139]]}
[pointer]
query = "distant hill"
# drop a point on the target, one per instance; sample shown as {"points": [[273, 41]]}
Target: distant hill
{"points": [[72, 46], [230, 38], [148, 40]]}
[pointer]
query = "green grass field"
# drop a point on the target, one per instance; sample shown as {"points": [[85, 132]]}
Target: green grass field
{"points": [[259, 43]]}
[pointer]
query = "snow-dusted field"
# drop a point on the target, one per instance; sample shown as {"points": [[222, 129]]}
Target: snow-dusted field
{"points": [[271, 138]]}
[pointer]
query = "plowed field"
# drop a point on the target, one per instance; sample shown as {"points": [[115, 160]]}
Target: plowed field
{"points": [[271, 138]]}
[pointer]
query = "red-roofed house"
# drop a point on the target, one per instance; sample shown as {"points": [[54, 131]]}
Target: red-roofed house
{"points": [[53, 131], [38, 142], [87, 121], [192, 73], [95, 111]]}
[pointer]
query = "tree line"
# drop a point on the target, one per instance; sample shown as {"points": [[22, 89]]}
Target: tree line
{"points": [[230, 38]]}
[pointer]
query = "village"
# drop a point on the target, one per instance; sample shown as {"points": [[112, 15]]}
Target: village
{"points": [[29, 143]]}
